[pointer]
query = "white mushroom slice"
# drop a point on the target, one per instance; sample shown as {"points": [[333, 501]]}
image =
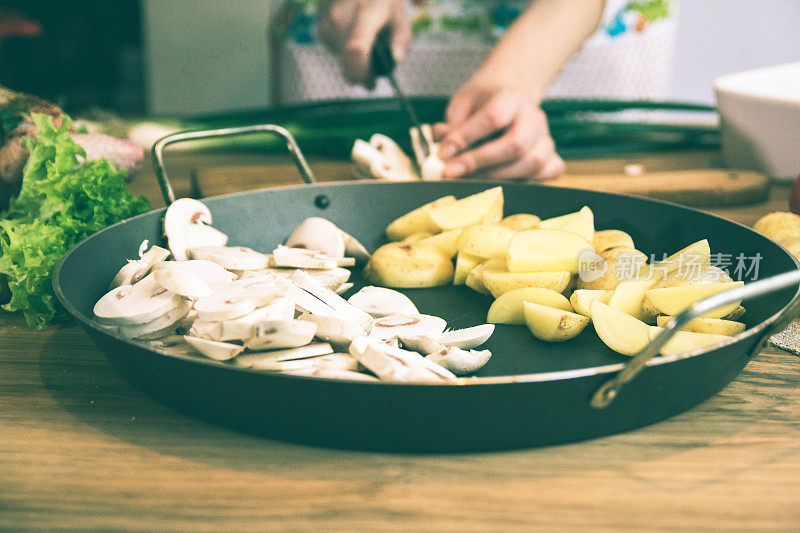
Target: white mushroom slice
{"points": [[334, 329], [460, 362], [157, 327], [332, 278], [168, 340], [353, 248], [283, 256], [220, 351], [214, 275], [422, 344], [336, 302], [343, 288], [407, 326], [231, 257], [340, 361], [468, 337], [320, 234], [281, 334], [184, 283], [243, 327], [331, 373], [394, 364], [238, 298], [380, 301], [400, 165], [307, 303], [264, 359], [180, 349], [184, 324], [431, 166], [137, 269], [375, 164], [135, 304], [187, 225]]}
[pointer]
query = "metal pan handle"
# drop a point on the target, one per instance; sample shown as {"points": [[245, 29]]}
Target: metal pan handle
{"points": [[158, 151], [609, 390]]}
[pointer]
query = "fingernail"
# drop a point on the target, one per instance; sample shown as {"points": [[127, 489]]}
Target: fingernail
{"points": [[455, 170], [448, 150]]}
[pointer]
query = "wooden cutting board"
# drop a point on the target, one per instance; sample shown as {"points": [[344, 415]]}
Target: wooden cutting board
{"points": [[693, 181]]}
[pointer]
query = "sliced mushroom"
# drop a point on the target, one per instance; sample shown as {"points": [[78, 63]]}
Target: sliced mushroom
{"points": [[281, 334], [267, 358], [212, 274], [137, 269], [407, 326], [343, 288], [401, 165], [168, 340], [231, 257], [220, 351], [339, 361], [422, 344], [468, 337], [244, 327], [135, 304], [238, 298], [331, 373], [318, 234], [374, 163], [336, 302], [184, 324], [380, 301], [460, 362], [307, 303], [334, 329], [283, 256], [332, 278], [431, 166], [353, 248], [157, 327], [184, 283], [187, 225], [395, 364]]}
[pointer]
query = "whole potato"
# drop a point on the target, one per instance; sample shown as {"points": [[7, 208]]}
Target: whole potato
{"points": [[409, 265]]}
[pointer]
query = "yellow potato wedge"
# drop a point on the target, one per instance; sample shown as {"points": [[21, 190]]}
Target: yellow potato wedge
{"points": [[545, 250], [446, 240], [507, 309], [475, 209], [416, 221], [779, 226], [621, 264], [582, 299], [628, 298], [580, 222], [686, 341], [485, 240], [475, 279], [717, 326], [495, 213], [409, 265], [696, 253], [673, 300], [418, 236], [551, 324], [619, 331], [736, 314], [501, 281], [521, 221], [611, 238], [464, 264]]}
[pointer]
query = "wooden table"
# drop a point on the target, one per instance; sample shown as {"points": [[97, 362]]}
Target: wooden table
{"points": [[81, 448]]}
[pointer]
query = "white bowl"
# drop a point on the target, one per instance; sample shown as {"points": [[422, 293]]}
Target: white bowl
{"points": [[760, 119]]}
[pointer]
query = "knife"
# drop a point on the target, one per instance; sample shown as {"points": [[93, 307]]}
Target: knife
{"points": [[383, 65]]}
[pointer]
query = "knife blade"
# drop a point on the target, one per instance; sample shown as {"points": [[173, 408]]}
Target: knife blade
{"points": [[383, 65]]}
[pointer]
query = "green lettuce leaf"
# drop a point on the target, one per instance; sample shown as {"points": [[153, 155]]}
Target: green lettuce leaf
{"points": [[63, 199]]}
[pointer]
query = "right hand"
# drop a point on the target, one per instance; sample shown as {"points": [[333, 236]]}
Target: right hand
{"points": [[349, 28]]}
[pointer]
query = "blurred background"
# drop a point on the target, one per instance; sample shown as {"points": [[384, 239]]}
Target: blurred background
{"points": [[190, 57]]}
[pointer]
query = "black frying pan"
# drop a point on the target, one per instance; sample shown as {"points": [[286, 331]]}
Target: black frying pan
{"points": [[530, 393]]}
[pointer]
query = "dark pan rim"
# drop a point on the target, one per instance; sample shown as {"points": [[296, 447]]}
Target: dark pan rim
{"points": [[540, 377]]}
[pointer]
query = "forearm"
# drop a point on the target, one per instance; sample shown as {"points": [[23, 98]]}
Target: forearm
{"points": [[539, 44]]}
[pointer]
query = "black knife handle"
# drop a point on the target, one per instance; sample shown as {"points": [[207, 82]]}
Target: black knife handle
{"points": [[381, 58]]}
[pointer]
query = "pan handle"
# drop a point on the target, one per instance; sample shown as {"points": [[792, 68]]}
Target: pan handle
{"points": [[158, 151], [609, 390]]}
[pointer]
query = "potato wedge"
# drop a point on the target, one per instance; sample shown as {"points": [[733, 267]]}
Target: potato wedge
{"points": [[736, 314], [673, 300], [521, 221], [475, 209], [485, 240], [582, 299], [446, 240], [495, 213], [780, 226], [686, 341], [696, 253], [409, 265], [507, 309], [500, 281], [619, 331], [464, 264], [628, 298], [621, 264], [545, 250], [551, 324], [611, 238], [416, 221], [418, 236], [580, 222], [475, 279], [717, 326]]}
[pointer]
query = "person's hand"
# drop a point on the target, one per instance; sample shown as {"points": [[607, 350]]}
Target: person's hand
{"points": [[349, 28], [495, 132]]}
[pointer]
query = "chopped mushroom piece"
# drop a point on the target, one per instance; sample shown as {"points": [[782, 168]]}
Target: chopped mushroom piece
{"points": [[333, 300], [136, 269], [334, 329], [380, 301], [431, 166], [159, 326], [267, 358], [136, 304], [395, 364], [187, 225], [220, 351], [283, 256], [281, 334], [320, 234], [407, 326], [468, 337], [231, 257], [460, 362]]}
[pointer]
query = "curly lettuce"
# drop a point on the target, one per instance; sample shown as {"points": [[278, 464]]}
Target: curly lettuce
{"points": [[62, 200]]}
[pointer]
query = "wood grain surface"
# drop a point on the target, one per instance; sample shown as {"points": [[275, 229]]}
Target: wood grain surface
{"points": [[80, 448]]}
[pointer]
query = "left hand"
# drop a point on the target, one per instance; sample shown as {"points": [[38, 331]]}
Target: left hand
{"points": [[497, 133]]}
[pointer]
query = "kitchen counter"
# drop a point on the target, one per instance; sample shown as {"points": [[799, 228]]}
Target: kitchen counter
{"points": [[81, 448]]}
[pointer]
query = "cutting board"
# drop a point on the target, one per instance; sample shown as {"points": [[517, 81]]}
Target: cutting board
{"points": [[691, 181]]}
